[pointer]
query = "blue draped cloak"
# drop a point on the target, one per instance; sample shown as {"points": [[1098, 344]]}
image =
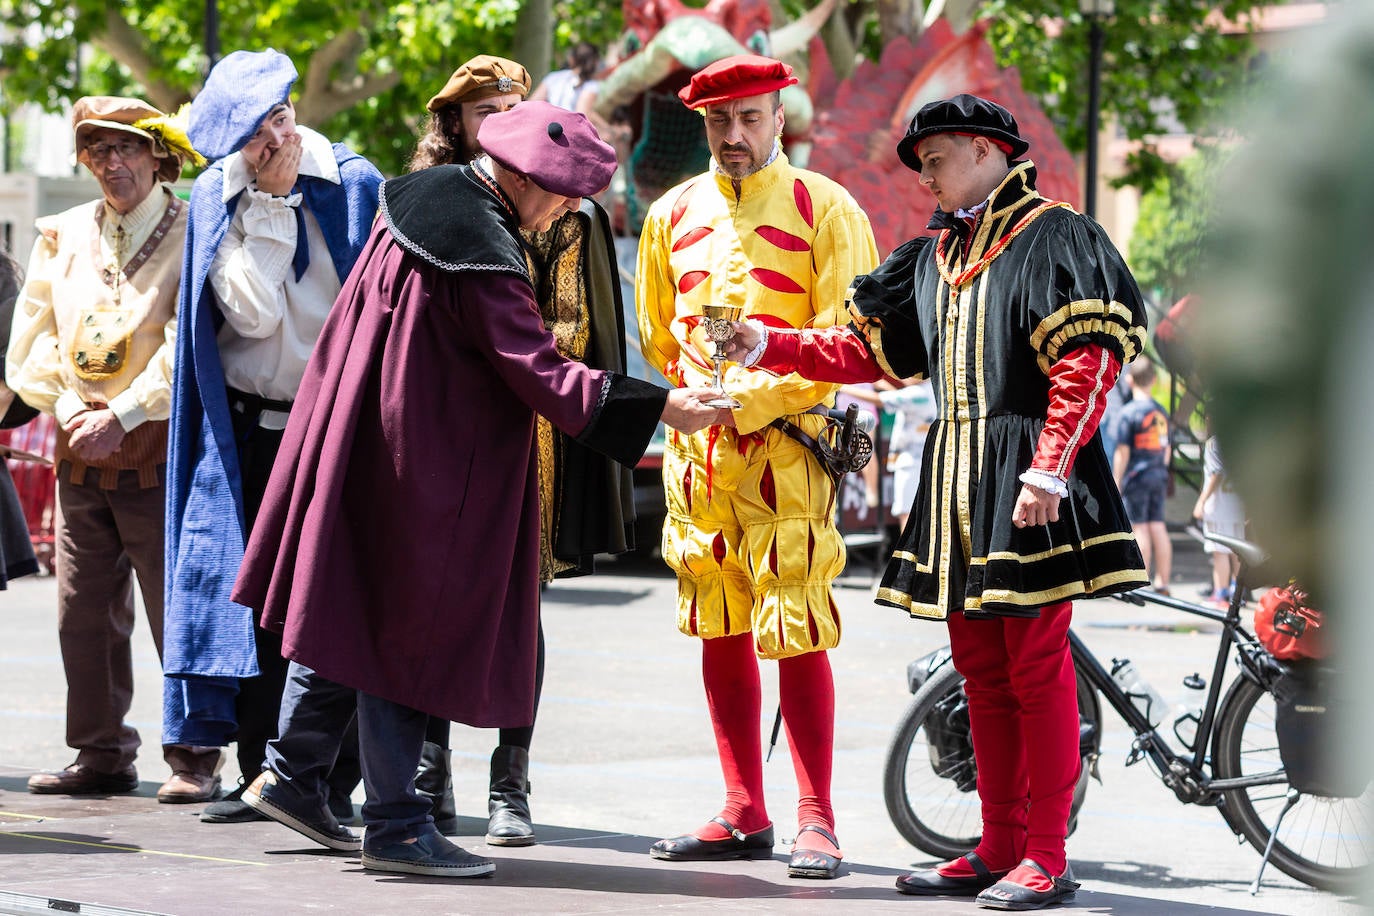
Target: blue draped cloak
{"points": [[209, 639]]}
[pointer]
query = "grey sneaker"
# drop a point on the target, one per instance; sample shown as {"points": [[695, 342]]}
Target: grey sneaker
{"points": [[430, 854], [315, 822]]}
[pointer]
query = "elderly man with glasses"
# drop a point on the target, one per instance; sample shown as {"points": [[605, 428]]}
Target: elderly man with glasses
{"points": [[91, 344]]}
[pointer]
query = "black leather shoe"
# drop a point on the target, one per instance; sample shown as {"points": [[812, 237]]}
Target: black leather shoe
{"points": [[508, 800], [739, 845], [315, 822], [231, 809], [1007, 895], [813, 863], [930, 883]]}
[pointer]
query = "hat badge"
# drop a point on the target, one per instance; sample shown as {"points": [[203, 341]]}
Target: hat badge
{"points": [[504, 84]]}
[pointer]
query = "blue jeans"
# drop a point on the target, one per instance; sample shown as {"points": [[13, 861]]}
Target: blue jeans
{"points": [[390, 737], [315, 715]]}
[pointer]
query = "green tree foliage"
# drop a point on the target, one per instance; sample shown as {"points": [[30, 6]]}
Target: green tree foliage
{"points": [[1174, 213], [368, 67], [1167, 65]]}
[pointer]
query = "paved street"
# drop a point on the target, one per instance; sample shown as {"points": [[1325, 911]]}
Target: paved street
{"points": [[623, 754]]}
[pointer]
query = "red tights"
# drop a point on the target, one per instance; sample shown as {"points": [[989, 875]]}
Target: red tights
{"points": [[730, 671], [1021, 695]]}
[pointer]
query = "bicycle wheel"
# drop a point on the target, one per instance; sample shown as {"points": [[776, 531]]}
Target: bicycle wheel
{"points": [[930, 779], [1321, 840]]}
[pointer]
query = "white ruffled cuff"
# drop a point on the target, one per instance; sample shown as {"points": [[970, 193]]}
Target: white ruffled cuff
{"points": [[753, 356], [1045, 481]]}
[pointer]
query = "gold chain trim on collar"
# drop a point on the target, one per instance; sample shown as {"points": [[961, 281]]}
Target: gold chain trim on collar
{"points": [[490, 183]]}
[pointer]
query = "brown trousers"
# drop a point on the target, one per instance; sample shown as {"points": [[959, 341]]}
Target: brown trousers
{"points": [[104, 538]]}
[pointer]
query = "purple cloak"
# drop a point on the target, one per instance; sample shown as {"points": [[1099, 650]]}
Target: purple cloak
{"points": [[397, 548]]}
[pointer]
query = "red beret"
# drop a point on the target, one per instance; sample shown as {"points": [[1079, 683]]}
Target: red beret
{"points": [[737, 77], [556, 148]]}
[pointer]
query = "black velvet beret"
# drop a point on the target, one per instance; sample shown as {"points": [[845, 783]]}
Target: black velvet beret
{"points": [[962, 114]]}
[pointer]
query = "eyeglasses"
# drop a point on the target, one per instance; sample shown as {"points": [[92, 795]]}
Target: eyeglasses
{"points": [[127, 149]]}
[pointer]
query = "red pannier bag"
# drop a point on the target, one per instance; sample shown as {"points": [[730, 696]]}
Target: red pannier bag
{"points": [[1287, 627]]}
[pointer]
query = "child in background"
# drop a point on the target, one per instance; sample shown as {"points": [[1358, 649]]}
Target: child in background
{"points": [[1220, 511], [1141, 468]]}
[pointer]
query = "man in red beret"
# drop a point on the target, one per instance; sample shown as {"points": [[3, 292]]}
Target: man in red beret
{"points": [[1021, 313], [749, 530], [397, 548]]}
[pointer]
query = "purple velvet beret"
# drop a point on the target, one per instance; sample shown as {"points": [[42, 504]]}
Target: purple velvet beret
{"points": [[556, 148]]}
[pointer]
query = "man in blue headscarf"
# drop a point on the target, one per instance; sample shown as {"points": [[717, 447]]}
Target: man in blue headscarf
{"points": [[276, 223]]}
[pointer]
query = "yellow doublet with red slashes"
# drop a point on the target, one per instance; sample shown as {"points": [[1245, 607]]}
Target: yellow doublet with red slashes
{"points": [[748, 531]]}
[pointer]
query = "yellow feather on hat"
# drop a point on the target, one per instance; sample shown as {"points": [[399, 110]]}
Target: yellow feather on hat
{"points": [[170, 131]]}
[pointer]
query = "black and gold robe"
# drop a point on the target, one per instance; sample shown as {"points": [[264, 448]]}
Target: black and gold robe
{"points": [[984, 310]]}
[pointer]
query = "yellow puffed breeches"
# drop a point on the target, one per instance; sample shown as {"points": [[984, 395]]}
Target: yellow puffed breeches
{"points": [[754, 547]]}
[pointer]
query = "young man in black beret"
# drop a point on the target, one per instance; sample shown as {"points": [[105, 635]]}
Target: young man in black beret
{"points": [[1021, 312]]}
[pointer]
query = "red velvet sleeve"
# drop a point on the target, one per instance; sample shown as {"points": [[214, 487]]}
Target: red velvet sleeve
{"points": [[1079, 383], [835, 354]]}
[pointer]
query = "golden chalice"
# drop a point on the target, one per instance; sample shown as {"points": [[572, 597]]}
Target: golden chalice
{"points": [[719, 327]]}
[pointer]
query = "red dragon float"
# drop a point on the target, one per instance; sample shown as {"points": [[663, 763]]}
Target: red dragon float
{"points": [[846, 129]]}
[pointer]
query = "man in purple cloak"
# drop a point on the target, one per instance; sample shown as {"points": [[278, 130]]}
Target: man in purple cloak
{"points": [[397, 548]]}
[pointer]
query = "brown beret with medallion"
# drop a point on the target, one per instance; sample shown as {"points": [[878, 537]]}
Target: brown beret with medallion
{"points": [[480, 78]]}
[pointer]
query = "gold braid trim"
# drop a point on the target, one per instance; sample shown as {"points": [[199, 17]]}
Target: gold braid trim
{"points": [[1053, 551], [871, 329], [1086, 316], [1061, 592]]}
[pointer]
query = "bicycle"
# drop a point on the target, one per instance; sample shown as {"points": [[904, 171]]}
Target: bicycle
{"points": [[930, 777]]}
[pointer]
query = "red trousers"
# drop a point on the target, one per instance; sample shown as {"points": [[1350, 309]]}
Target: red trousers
{"points": [[1023, 709]]}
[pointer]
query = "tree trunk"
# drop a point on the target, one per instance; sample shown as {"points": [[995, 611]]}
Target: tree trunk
{"points": [[130, 47], [841, 45], [332, 83], [960, 13], [533, 46], [898, 19]]}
